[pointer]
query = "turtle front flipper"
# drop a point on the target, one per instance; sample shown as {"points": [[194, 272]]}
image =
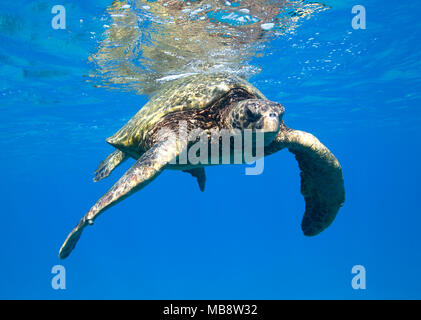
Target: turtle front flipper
{"points": [[109, 164], [322, 183], [144, 171]]}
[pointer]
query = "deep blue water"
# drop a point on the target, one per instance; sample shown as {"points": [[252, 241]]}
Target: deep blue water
{"points": [[358, 91]]}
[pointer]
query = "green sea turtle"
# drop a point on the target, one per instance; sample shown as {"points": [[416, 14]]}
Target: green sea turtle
{"points": [[212, 102]]}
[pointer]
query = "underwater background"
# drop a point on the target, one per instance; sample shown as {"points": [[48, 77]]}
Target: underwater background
{"points": [[358, 91]]}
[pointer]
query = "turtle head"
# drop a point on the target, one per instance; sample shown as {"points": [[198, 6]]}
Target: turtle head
{"points": [[257, 114]]}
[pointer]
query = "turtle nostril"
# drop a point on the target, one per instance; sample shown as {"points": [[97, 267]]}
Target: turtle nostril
{"points": [[273, 115]]}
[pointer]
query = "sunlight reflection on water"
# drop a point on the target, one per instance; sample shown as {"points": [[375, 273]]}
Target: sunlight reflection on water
{"points": [[146, 43]]}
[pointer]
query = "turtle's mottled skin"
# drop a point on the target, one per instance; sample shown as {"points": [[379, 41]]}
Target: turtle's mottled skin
{"points": [[213, 102], [191, 93]]}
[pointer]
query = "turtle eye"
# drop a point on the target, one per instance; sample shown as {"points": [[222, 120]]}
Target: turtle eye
{"points": [[252, 115]]}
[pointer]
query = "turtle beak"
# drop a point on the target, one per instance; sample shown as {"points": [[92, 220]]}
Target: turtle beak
{"points": [[269, 124], [272, 119]]}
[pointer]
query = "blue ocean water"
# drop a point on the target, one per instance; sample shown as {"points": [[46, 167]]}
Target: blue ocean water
{"points": [[358, 91]]}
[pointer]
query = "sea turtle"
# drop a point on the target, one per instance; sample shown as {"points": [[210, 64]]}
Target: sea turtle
{"points": [[211, 102]]}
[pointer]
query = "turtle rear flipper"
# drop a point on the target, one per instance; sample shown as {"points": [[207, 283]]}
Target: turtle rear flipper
{"points": [[109, 164], [144, 171], [322, 183], [200, 175]]}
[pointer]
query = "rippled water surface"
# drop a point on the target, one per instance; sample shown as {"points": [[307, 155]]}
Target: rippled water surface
{"points": [[62, 92]]}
